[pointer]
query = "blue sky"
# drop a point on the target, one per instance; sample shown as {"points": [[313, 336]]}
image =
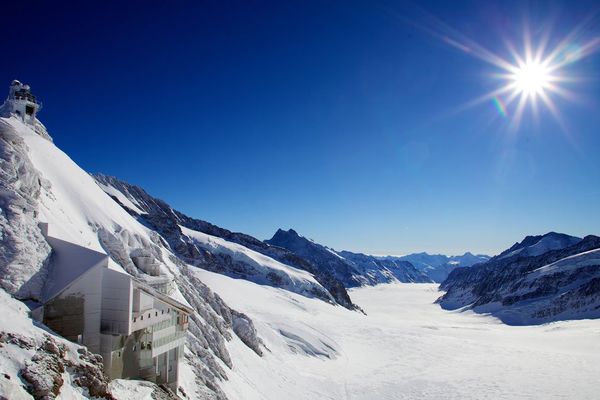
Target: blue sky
{"points": [[338, 119]]}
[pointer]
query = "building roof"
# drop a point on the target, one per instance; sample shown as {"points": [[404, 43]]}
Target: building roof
{"points": [[72, 261], [163, 297]]}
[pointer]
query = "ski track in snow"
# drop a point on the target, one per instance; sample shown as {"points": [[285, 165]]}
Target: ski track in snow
{"points": [[405, 348]]}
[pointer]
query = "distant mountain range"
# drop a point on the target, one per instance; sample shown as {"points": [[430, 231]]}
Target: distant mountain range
{"points": [[438, 266], [540, 279]]}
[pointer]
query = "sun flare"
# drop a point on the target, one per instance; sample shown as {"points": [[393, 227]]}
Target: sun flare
{"points": [[535, 75], [531, 78]]}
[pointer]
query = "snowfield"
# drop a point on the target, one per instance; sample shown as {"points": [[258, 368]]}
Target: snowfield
{"points": [[406, 347]]}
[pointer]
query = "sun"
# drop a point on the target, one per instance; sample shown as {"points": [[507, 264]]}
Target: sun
{"points": [[531, 78]]}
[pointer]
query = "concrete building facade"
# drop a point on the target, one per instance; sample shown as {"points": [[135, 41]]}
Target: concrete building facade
{"points": [[89, 299]]}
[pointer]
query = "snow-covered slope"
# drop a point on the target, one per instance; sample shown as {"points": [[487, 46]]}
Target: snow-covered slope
{"points": [[524, 286], [264, 269], [40, 183], [438, 266], [405, 347], [537, 245], [268, 265]]}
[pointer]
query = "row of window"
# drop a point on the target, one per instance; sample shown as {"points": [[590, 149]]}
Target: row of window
{"points": [[150, 314]]}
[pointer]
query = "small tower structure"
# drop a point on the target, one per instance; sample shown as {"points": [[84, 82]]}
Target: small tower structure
{"points": [[22, 103]]}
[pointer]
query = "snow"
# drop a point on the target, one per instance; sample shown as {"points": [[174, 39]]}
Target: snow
{"points": [[73, 204], [546, 243], [406, 347], [15, 320], [121, 197], [124, 389], [334, 253], [243, 254], [588, 258]]}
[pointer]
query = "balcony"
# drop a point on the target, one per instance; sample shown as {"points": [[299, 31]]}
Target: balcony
{"points": [[168, 342]]}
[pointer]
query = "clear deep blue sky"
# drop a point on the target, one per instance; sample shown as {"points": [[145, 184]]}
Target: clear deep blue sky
{"points": [[335, 118]]}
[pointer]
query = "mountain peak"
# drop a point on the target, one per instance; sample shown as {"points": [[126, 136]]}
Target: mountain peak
{"points": [[288, 235], [539, 244]]}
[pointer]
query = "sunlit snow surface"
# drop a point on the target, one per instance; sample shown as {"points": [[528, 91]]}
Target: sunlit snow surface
{"points": [[405, 348]]}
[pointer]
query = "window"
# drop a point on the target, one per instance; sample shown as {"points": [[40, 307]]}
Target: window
{"points": [[143, 346], [148, 315], [134, 319], [156, 314], [134, 347], [29, 110], [142, 318]]}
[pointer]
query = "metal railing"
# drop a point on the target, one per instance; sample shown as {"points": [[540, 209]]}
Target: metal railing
{"points": [[28, 98]]}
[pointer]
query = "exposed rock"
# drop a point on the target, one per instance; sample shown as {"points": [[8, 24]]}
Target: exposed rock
{"points": [[165, 220], [351, 269], [44, 372], [44, 376], [245, 330], [21, 341], [90, 374], [521, 288]]}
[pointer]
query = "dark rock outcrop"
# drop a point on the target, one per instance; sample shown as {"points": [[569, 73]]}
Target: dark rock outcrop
{"points": [[165, 220], [561, 283], [352, 269]]}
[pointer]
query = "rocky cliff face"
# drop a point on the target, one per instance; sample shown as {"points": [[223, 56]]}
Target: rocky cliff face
{"points": [[559, 283], [352, 269]]}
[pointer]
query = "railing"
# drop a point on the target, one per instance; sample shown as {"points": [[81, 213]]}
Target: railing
{"points": [[161, 345], [28, 98]]}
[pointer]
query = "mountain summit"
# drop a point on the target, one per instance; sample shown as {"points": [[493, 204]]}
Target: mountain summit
{"points": [[353, 269], [536, 245]]}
